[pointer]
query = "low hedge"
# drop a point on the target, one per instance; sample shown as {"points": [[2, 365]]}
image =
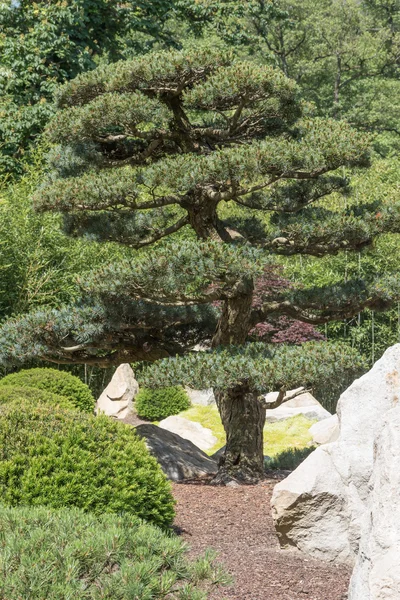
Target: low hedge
{"points": [[50, 457], [156, 404], [60, 555], [57, 382], [15, 395]]}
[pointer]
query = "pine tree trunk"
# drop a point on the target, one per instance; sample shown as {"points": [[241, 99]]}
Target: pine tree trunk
{"points": [[242, 415], [243, 418]]}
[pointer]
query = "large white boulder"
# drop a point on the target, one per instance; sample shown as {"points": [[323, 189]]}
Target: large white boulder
{"points": [[178, 458], [200, 436], [117, 399], [320, 507], [325, 431], [201, 397], [376, 575], [304, 404]]}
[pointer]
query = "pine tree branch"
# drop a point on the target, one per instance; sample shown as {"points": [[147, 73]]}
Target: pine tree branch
{"points": [[160, 235], [283, 397]]}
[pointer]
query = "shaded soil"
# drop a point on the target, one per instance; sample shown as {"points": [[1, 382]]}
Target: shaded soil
{"points": [[134, 420], [237, 523]]}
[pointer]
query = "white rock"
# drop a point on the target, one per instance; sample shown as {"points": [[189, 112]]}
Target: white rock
{"points": [[304, 404], [376, 575], [201, 397], [326, 431], [200, 436], [320, 507], [116, 400], [178, 458]]}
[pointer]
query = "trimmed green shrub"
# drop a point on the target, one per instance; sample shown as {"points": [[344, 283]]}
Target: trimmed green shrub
{"points": [[14, 395], [57, 382], [59, 555], [289, 459], [56, 457], [156, 404]]}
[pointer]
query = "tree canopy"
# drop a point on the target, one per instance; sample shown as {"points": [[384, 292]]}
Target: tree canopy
{"points": [[218, 166], [43, 44]]}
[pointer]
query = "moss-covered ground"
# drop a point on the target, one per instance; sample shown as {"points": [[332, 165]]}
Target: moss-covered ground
{"points": [[279, 436]]}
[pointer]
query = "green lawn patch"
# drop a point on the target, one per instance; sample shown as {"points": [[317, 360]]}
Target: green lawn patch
{"points": [[291, 433]]}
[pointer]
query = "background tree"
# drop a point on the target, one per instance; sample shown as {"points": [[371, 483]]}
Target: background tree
{"points": [[223, 155], [45, 43], [343, 54]]}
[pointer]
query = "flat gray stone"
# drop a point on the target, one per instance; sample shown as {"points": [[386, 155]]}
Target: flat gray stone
{"points": [[179, 459], [201, 397], [326, 431], [202, 437], [304, 404]]}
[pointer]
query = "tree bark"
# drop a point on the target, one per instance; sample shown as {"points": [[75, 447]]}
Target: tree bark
{"points": [[243, 418], [242, 414], [235, 321]]}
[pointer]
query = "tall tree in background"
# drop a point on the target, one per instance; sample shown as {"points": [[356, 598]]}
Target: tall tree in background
{"points": [[45, 43], [214, 165], [344, 54]]}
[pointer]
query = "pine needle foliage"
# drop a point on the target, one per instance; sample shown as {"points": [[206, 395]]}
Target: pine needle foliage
{"points": [[261, 367], [54, 554], [217, 166], [149, 147]]}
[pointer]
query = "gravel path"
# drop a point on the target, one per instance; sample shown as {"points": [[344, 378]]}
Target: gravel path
{"points": [[237, 523]]}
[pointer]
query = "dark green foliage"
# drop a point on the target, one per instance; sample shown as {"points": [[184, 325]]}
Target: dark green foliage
{"points": [[58, 382], [344, 55], [19, 395], [29, 337], [264, 368], [188, 145], [46, 43], [38, 264], [69, 554], [289, 459], [58, 458], [202, 130], [158, 404]]}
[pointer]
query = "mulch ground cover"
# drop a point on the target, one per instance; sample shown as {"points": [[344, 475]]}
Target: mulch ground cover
{"points": [[236, 521]]}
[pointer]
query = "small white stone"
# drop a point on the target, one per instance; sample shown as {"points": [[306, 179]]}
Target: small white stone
{"points": [[200, 436]]}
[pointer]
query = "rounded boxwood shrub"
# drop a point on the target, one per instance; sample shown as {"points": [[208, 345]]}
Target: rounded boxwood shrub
{"points": [[50, 457], [57, 382], [15, 395], [156, 404], [70, 554]]}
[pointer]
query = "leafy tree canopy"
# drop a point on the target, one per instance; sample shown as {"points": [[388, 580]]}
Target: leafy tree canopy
{"points": [[220, 166], [43, 44], [163, 143]]}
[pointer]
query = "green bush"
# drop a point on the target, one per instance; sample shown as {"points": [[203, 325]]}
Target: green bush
{"points": [[156, 404], [50, 457], [13, 395], [289, 459], [57, 382], [60, 555]]}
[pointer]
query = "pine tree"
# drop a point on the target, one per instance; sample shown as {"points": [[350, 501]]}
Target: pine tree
{"points": [[216, 166]]}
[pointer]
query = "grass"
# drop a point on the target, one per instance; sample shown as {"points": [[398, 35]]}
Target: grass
{"points": [[278, 437], [207, 416]]}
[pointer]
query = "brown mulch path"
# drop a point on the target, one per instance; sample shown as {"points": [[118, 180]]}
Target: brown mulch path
{"points": [[237, 523]]}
